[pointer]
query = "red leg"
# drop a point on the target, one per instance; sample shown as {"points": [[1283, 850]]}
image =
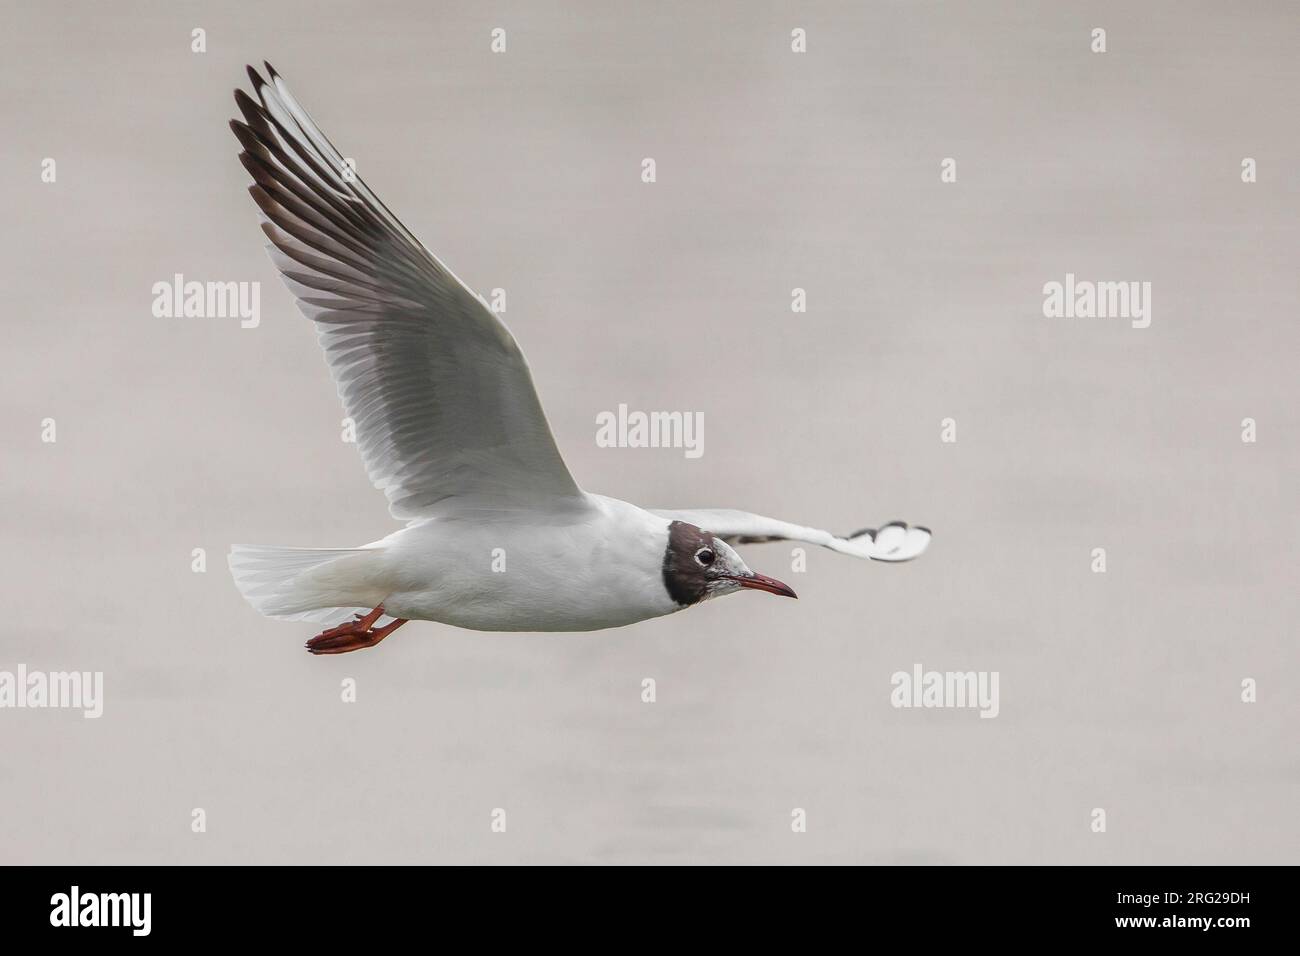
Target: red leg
{"points": [[351, 627], [353, 635]]}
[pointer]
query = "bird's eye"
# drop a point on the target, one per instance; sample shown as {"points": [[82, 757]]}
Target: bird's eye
{"points": [[704, 556]]}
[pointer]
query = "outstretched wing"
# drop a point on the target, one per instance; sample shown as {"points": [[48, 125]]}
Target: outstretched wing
{"points": [[443, 402], [893, 542]]}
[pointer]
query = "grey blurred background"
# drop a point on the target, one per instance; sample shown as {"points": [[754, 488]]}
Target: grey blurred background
{"points": [[775, 170]]}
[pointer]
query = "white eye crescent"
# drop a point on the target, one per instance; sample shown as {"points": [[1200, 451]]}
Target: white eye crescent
{"points": [[704, 557]]}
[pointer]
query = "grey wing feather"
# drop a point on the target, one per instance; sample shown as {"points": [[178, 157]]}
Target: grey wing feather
{"points": [[440, 393]]}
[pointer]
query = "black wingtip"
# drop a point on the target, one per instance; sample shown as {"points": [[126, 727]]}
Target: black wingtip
{"points": [[255, 77], [262, 198], [244, 133], [253, 166]]}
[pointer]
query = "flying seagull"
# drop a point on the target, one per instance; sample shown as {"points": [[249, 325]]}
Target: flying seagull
{"points": [[499, 537]]}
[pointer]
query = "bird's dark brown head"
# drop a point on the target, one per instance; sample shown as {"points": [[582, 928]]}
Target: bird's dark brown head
{"points": [[698, 565]]}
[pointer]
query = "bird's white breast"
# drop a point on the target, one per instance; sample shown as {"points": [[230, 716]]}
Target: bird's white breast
{"points": [[597, 565]]}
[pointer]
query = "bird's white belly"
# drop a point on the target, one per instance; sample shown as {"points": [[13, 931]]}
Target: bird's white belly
{"points": [[601, 570]]}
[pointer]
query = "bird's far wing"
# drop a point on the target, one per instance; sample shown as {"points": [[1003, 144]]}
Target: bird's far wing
{"points": [[442, 399], [893, 542]]}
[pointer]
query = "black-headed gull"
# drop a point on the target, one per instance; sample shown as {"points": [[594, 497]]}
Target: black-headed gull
{"points": [[499, 537]]}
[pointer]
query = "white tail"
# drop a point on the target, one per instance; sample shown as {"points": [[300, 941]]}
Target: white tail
{"points": [[306, 584]]}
